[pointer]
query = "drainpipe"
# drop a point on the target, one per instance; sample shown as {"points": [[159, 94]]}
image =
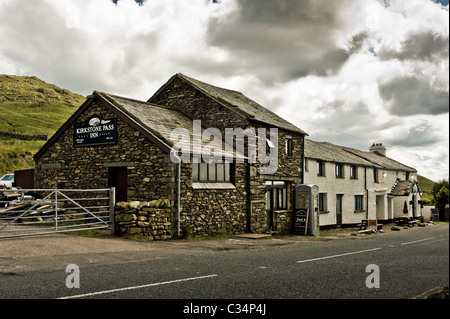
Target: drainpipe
{"points": [[303, 161], [178, 192], [367, 192]]}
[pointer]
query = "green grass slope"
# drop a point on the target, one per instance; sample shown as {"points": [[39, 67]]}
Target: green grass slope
{"points": [[30, 106], [426, 186]]}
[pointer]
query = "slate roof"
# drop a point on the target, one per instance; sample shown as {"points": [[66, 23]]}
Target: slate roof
{"points": [[382, 161], [341, 154], [328, 152], [402, 188], [235, 100], [156, 122], [161, 121]]}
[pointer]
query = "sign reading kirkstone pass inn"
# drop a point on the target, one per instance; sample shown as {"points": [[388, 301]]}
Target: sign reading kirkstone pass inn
{"points": [[96, 131]]}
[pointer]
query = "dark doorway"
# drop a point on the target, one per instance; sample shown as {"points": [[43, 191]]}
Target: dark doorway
{"points": [[118, 178], [339, 210]]}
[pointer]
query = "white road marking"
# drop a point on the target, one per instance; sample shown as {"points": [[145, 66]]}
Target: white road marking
{"points": [[137, 287], [340, 255], [417, 241]]}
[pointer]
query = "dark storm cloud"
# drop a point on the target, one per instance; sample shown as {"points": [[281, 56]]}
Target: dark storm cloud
{"points": [[422, 134], [354, 116], [407, 96], [344, 122], [286, 39], [424, 46]]}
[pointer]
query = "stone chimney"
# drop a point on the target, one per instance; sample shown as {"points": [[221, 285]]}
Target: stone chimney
{"points": [[378, 149]]}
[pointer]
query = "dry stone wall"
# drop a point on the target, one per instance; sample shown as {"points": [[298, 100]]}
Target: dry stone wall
{"points": [[144, 220]]}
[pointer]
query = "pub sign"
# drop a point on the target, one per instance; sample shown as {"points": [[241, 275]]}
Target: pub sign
{"points": [[95, 131]]}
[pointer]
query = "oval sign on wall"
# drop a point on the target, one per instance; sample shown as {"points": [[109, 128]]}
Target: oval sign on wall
{"points": [[94, 121]]}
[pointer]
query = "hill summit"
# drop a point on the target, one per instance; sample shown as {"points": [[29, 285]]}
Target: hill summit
{"points": [[30, 107], [33, 91]]}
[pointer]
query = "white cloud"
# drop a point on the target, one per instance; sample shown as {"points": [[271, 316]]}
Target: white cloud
{"points": [[336, 69]]}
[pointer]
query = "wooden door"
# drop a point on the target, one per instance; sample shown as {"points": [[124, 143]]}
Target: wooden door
{"points": [[339, 210], [119, 180]]}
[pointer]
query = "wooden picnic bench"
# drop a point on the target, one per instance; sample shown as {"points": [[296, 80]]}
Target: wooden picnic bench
{"points": [[406, 221], [365, 223]]}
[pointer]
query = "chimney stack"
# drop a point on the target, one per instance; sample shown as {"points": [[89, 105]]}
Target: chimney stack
{"points": [[378, 148]]}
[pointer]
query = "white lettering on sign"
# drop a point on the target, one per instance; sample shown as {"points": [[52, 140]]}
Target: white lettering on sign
{"points": [[95, 132], [91, 129]]}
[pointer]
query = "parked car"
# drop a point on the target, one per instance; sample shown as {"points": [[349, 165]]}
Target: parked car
{"points": [[6, 181]]}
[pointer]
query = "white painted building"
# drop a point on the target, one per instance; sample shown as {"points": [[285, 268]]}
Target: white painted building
{"points": [[356, 185]]}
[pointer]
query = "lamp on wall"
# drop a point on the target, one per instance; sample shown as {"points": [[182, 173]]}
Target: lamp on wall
{"points": [[384, 175]]}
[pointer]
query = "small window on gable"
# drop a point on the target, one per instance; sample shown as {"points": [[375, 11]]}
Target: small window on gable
{"points": [[289, 147]]}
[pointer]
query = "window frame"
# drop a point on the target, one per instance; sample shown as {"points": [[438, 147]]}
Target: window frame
{"points": [[353, 171], [202, 172], [339, 170], [321, 168], [375, 175], [323, 203], [289, 147], [278, 191], [359, 203]]}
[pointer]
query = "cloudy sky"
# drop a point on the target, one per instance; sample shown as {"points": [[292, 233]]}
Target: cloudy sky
{"points": [[351, 72]]}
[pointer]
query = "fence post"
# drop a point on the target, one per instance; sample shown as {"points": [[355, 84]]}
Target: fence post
{"points": [[112, 203]]}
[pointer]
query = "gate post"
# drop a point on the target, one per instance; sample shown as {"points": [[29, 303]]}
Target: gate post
{"points": [[112, 203], [56, 210]]}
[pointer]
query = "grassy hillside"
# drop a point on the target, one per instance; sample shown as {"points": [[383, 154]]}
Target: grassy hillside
{"points": [[30, 106], [426, 186]]}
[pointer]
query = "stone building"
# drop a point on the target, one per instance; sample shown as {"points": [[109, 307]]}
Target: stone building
{"points": [[176, 148], [356, 185]]}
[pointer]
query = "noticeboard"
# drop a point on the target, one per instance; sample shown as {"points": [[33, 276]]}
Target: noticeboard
{"points": [[96, 131], [435, 214], [301, 221]]}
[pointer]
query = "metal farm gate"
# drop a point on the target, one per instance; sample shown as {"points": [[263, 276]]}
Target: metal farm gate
{"points": [[28, 212]]}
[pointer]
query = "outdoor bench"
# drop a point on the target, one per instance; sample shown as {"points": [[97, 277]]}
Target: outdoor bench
{"points": [[365, 224]]}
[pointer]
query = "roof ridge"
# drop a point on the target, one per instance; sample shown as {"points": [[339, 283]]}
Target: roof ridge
{"points": [[127, 98], [274, 119], [219, 100], [209, 84]]}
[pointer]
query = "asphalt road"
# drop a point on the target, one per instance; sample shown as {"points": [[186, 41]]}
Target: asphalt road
{"points": [[409, 265]]}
